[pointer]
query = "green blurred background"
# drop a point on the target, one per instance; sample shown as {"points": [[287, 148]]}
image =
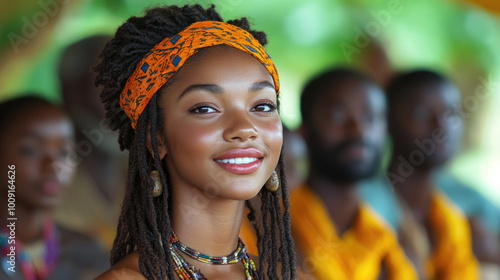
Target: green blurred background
{"points": [[461, 39]]}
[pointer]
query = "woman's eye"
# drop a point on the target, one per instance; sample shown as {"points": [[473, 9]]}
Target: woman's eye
{"points": [[28, 151], [338, 117], [202, 110], [265, 107]]}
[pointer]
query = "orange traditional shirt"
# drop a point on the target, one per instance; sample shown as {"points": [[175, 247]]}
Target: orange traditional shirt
{"points": [[358, 255], [248, 236], [452, 256]]}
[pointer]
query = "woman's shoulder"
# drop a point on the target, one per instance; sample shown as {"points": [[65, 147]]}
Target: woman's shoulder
{"points": [[126, 269]]}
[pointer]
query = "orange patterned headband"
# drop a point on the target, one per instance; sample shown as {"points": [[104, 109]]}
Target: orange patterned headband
{"points": [[167, 57]]}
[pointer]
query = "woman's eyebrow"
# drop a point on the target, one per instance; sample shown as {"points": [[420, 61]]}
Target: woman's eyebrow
{"points": [[261, 85], [205, 87], [212, 88]]}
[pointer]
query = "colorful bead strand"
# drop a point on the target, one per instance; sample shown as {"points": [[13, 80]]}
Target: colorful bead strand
{"points": [[186, 271]]}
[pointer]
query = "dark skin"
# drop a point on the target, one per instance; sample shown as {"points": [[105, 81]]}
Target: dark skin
{"points": [[349, 111], [37, 143], [219, 102], [427, 110], [420, 114], [416, 117]]}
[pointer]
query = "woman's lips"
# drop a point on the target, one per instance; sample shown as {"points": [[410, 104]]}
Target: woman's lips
{"points": [[240, 161], [51, 188]]}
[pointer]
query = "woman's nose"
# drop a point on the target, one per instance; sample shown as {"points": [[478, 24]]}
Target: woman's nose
{"points": [[240, 127]]}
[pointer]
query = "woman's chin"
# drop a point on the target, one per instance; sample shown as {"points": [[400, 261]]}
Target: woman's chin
{"points": [[242, 194]]}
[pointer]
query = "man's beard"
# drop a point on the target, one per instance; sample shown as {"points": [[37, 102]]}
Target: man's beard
{"points": [[328, 161]]}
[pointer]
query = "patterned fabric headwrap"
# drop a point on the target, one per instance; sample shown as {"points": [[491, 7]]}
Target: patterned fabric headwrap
{"points": [[167, 57]]}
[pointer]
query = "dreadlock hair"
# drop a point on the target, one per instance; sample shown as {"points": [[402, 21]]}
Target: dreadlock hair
{"points": [[144, 222]]}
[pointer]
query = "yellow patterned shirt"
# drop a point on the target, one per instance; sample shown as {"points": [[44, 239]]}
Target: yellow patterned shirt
{"points": [[452, 256], [359, 254]]}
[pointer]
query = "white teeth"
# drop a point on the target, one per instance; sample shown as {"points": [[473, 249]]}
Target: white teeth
{"points": [[244, 160]]}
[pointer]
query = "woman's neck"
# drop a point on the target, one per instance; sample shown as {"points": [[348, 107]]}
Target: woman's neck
{"points": [[208, 224]]}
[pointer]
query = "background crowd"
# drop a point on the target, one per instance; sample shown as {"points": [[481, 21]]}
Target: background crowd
{"points": [[433, 65]]}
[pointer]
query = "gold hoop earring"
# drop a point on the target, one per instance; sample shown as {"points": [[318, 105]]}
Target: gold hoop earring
{"points": [[157, 185], [273, 182]]}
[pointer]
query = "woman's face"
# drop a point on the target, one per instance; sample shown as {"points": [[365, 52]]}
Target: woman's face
{"points": [[37, 143], [222, 132]]}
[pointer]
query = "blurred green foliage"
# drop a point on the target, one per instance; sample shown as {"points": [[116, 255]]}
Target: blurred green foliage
{"points": [[304, 38]]}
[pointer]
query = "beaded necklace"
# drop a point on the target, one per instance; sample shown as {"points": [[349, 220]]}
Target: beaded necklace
{"points": [[186, 271], [36, 260]]}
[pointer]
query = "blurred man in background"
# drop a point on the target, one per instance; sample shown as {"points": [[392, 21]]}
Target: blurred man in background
{"points": [[337, 235], [426, 129]]}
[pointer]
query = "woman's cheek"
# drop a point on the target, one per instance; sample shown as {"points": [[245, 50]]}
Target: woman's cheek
{"points": [[274, 136], [193, 138]]}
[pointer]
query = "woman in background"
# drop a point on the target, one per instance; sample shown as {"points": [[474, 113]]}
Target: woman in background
{"points": [[36, 144]]}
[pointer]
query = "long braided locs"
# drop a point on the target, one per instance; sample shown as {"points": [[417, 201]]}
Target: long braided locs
{"points": [[144, 224]]}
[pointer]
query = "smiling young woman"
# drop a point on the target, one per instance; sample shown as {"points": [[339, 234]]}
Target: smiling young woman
{"points": [[199, 114]]}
